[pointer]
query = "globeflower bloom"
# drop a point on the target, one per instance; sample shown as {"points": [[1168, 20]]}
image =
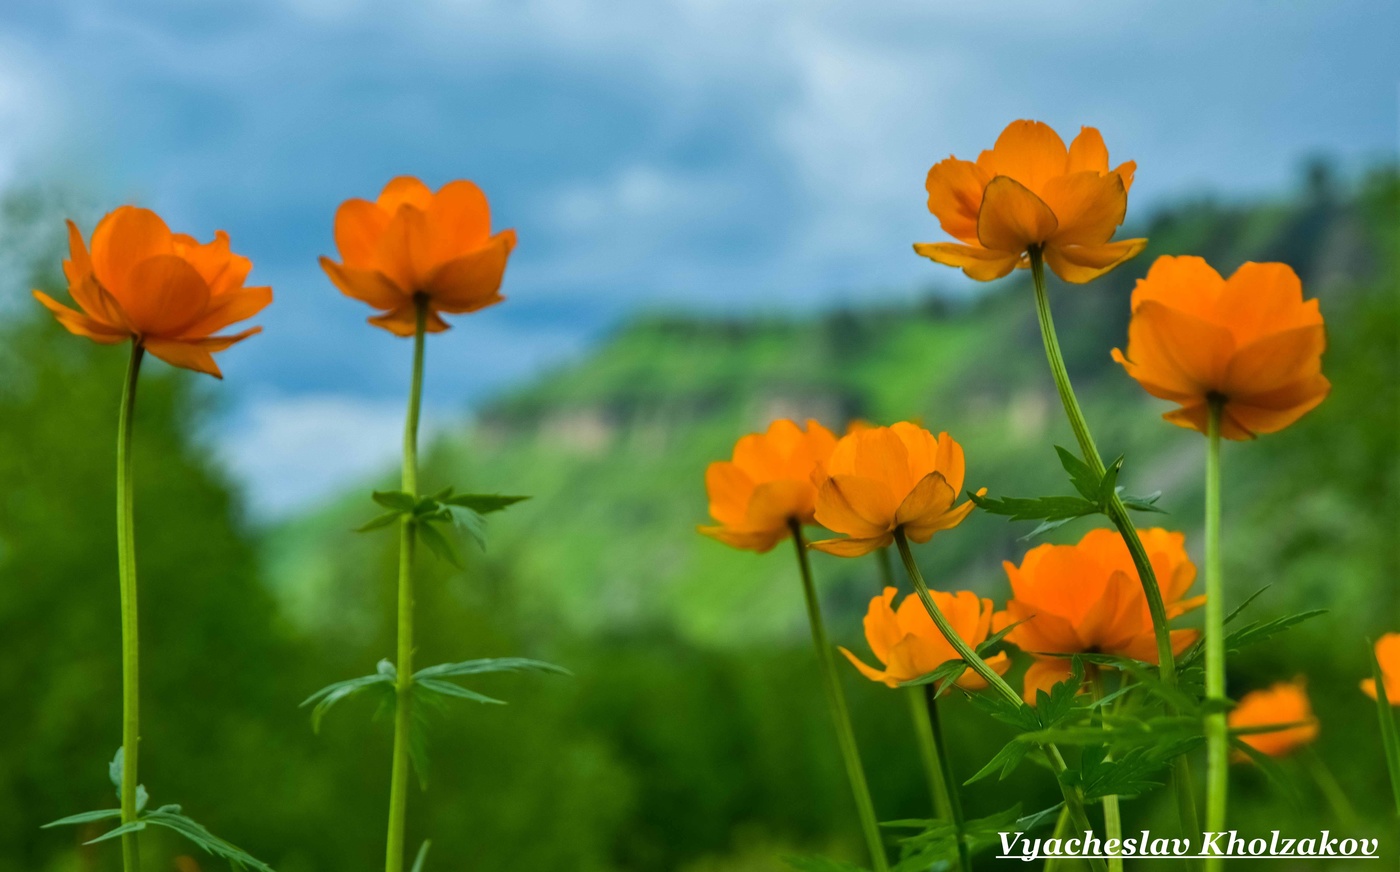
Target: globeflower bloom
{"points": [[767, 487], [1388, 656], [882, 478], [1251, 343], [1284, 703], [910, 645], [1086, 599], [165, 291], [411, 242], [1029, 191]]}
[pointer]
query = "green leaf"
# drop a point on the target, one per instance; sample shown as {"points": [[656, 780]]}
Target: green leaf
{"points": [[1018, 715], [170, 818], [1258, 631], [483, 504], [400, 502], [114, 773], [1144, 503], [84, 818], [468, 521], [439, 544], [1109, 485], [422, 856], [1271, 770], [821, 864], [447, 688], [487, 665], [1080, 475], [379, 522], [331, 694], [1390, 736], [1036, 508], [133, 827], [1008, 759], [942, 677]]}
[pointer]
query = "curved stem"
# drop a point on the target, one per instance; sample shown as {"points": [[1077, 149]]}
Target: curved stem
{"points": [[954, 801], [1217, 729], [1112, 814], [131, 649], [1073, 800], [929, 753], [840, 713], [403, 709]]}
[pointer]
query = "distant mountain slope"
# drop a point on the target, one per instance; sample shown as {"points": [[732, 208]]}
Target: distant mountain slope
{"points": [[613, 449]]}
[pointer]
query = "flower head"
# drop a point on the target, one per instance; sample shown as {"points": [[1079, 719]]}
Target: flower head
{"points": [[1030, 191], [1251, 342], [1087, 599], [757, 496], [413, 242], [1388, 656], [909, 644], [1284, 703], [882, 478], [163, 290]]}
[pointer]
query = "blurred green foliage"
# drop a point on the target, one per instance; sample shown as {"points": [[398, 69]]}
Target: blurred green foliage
{"points": [[693, 736]]}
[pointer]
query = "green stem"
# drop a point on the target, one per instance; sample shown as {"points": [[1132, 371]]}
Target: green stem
{"points": [[131, 649], [1217, 729], [403, 709], [1118, 514], [840, 714], [1073, 800], [1112, 814], [1061, 832], [940, 740], [929, 753], [1331, 789]]}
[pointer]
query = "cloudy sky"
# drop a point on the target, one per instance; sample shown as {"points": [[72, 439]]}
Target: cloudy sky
{"points": [[709, 154]]}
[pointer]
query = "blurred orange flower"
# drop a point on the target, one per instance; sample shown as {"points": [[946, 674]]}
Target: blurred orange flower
{"points": [[880, 478], [1388, 656], [767, 486], [1284, 703], [1087, 599], [411, 241], [909, 644], [1253, 342], [163, 290], [1030, 190]]}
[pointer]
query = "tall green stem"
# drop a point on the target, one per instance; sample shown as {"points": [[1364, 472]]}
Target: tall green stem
{"points": [[131, 649], [1118, 514], [403, 709], [953, 799], [1073, 800], [840, 713], [1112, 814], [1217, 729]]}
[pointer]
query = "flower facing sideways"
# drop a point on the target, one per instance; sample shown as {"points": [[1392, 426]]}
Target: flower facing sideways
{"points": [[163, 290], [1250, 342], [879, 479], [1284, 703], [767, 487], [1388, 656], [909, 644], [413, 242], [1087, 599], [1030, 191]]}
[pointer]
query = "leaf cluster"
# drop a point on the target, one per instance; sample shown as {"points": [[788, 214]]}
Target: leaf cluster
{"points": [[465, 513], [1095, 494]]}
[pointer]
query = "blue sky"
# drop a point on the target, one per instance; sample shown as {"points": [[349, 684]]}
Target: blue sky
{"points": [[723, 155]]}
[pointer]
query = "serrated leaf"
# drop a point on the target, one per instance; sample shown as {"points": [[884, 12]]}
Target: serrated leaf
{"points": [[84, 818], [1109, 485], [1080, 475], [196, 833], [447, 688], [331, 694], [1018, 715], [488, 665], [1258, 631], [133, 827], [468, 521], [1144, 503], [947, 672], [1036, 508], [484, 504], [379, 522], [437, 543], [1008, 759]]}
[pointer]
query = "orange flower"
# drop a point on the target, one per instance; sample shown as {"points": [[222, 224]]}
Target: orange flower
{"points": [[1087, 599], [163, 290], [1028, 191], [880, 478], [1252, 342], [1388, 656], [909, 644], [1284, 703], [768, 486], [411, 241]]}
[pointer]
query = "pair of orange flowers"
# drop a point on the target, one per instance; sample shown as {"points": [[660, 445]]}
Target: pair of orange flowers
{"points": [[1250, 343], [172, 294]]}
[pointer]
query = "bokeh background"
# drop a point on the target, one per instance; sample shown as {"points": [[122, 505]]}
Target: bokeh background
{"points": [[716, 203]]}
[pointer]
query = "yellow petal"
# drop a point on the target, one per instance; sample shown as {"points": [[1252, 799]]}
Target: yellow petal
{"points": [[930, 497]]}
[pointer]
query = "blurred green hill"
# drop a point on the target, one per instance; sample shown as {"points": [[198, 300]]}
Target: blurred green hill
{"points": [[693, 736]]}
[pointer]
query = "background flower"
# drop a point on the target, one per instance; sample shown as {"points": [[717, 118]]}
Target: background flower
{"points": [[1029, 190], [768, 485], [164, 290], [909, 644], [411, 241], [1251, 341], [1388, 656], [1284, 703]]}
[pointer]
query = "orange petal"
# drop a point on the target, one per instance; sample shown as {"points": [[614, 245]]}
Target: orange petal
{"points": [[229, 308], [1275, 410], [1044, 674], [729, 489], [1186, 283], [970, 680], [1078, 264], [186, 355], [402, 251], [930, 497], [79, 263], [1275, 361], [869, 672], [1088, 206], [955, 196], [774, 503], [855, 506], [459, 221], [124, 238], [922, 529], [1264, 298], [366, 285], [977, 262], [403, 321], [1087, 152], [80, 324], [471, 282], [1013, 218], [1126, 171], [404, 190], [358, 226], [882, 628], [1030, 152], [1183, 355], [164, 295], [853, 547], [759, 541], [96, 302]]}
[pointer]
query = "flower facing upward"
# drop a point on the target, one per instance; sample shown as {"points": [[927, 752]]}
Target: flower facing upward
{"points": [[1284, 703], [163, 290], [909, 644], [1087, 599], [410, 242], [757, 496], [1251, 341], [882, 478], [1030, 190], [1388, 656]]}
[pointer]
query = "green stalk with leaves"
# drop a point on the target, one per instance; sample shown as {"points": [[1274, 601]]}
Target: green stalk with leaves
{"points": [[131, 647], [1217, 729]]}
